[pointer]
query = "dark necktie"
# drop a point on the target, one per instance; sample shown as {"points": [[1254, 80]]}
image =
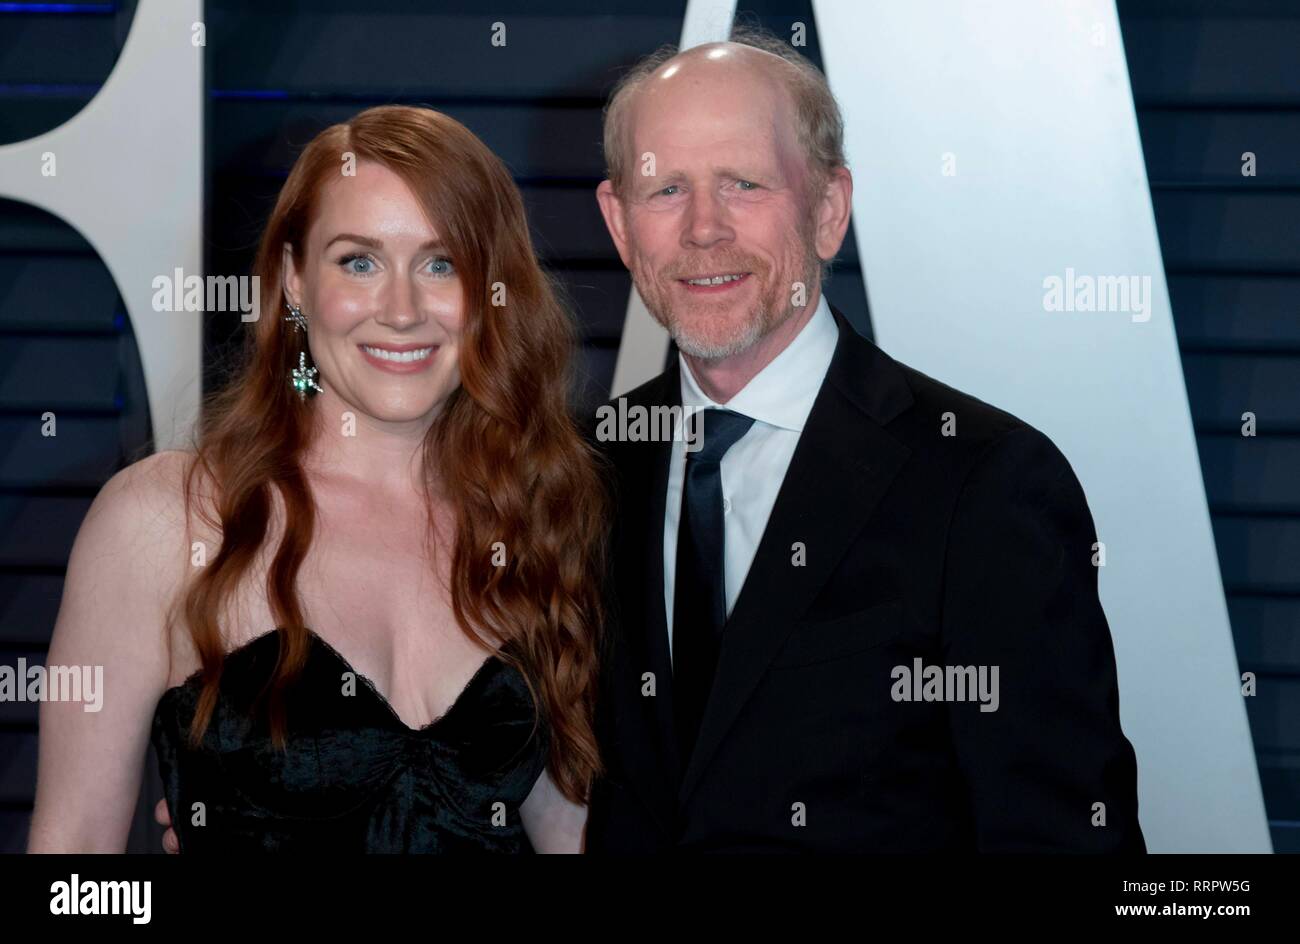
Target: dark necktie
{"points": [[699, 589]]}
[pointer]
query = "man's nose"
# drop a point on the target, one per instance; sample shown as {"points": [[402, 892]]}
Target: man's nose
{"points": [[706, 221]]}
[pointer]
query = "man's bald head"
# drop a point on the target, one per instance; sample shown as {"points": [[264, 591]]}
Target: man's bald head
{"points": [[774, 66]]}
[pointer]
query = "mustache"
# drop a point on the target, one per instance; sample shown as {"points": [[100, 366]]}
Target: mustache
{"points": [[693, 266]]}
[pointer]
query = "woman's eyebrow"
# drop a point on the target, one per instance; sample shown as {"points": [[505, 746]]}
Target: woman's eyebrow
{"points": [[379, 243], [354, 238]]}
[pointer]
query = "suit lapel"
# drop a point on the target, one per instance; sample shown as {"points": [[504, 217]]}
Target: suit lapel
{"points": [[844, 463]]}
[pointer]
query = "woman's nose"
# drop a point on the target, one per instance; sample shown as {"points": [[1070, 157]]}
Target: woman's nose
{"points": [[401, 308]]}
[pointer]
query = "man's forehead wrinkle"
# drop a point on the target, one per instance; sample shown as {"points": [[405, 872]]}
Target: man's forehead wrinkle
{"points": [[656, 116], [760, 150], [705, 82], [667, 143]]}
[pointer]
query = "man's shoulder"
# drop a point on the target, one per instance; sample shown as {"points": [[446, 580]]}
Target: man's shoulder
{"points": [[957, 428], [920, 411], [940, 406]]}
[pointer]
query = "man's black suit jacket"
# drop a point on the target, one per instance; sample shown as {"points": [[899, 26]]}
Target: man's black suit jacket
{"points": [[974, 549]]}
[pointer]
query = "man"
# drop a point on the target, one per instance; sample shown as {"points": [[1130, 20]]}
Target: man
{"points": [[859, 612]]}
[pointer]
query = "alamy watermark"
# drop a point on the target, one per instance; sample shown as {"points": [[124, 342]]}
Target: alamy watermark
{"points": [[638, 423], [77, 897], [954, 683], [1127, 293], [181, 292], [83, 683]]}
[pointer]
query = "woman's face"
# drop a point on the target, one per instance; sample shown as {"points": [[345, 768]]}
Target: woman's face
{"points": [[382, 299]]}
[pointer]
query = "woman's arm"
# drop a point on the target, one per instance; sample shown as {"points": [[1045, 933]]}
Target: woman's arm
{"points": [[129, 558], [553, 822]]}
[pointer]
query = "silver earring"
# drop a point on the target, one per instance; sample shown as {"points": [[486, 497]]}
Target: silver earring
{"points": [[296, 318], [304, 377]]}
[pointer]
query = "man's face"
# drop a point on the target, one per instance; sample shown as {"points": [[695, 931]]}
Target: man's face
{"points": [[719, 237]]}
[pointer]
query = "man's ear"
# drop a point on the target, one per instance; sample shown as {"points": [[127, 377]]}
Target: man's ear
{"points": [[833, 210], [291, 278], [614, 212]]}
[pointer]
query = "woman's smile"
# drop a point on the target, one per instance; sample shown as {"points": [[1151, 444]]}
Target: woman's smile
{"points": [[399, 358]]}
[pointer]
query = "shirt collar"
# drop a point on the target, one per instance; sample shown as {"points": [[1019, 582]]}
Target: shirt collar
{"points": [[782, 393]]}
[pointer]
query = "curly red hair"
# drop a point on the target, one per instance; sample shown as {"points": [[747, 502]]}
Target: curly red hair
{"points": [[504, 450]]}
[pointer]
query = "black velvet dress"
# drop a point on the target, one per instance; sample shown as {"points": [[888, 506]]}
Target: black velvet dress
{"points": [[353, 777]]}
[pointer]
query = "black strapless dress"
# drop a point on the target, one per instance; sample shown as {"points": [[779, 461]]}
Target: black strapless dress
{"points": [[353, 777]]}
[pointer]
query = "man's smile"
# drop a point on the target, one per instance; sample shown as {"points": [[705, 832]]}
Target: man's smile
{"points": [[713, 284]]}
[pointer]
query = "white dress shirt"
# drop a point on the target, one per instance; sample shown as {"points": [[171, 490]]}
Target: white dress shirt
{"points": [[779, 398]]}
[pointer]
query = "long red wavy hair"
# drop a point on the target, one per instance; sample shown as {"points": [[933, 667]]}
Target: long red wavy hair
{"points": [[504, 449]]}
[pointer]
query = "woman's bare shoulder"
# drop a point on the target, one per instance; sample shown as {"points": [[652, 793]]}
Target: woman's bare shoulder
{"points": [[147, 495], [145, 508], [131, 557]]}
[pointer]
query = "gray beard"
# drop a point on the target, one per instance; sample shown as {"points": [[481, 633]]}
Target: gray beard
{"points": [[755, 329]]}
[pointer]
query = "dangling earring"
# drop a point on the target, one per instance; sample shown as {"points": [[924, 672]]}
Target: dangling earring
{"points": [[296, 318], [302, 377]]}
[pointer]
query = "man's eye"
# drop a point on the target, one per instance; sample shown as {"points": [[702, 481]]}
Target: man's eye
{"points": [[441, 266], [668, 191], [358, 264], [746, 185]]}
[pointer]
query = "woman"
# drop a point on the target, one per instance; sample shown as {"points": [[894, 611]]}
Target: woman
{"points": [[361, 615]]}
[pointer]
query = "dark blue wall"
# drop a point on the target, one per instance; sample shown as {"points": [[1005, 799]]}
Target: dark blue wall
{"points": [[66, 347], [1210, 82]]}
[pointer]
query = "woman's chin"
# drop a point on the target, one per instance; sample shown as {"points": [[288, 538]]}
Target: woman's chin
{"points": [[400, 411]]}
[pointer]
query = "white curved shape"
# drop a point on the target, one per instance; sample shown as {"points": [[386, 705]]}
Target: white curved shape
{"points": [[130, 180], [643, 346], [1033, 102]]}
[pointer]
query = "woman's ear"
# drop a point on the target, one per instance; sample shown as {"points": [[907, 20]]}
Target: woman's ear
{"points": [[291, 277]]}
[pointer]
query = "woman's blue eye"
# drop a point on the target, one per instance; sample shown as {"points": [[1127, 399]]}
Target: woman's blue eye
{"points": [[367, 265], [358, 264]]}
